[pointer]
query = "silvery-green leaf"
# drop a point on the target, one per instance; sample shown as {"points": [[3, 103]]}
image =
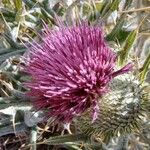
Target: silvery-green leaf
{"points": [[32, 118]]}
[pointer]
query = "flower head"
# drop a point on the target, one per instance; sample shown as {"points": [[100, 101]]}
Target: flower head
{"points": [[70, 70]]}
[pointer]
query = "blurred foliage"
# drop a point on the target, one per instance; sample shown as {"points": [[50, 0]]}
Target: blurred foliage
{"points": [[124, 119]]}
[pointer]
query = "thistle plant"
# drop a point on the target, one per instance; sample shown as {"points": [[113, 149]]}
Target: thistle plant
{"points": [[72, 77], [70, 70]]}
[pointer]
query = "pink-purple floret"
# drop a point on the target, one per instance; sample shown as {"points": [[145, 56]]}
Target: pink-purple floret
{"points": [[70, 70]]}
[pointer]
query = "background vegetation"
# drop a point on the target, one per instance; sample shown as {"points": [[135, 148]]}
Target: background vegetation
{"points": [[124, 119]]}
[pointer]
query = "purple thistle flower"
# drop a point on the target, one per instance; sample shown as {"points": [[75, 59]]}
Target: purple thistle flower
{"points": [[70, 70]]}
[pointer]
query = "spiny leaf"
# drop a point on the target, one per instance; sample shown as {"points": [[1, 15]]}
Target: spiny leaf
{"points": [[29, 3], [109, 8], [10, 54], [8, 14], [10, 39], [65, 139], [19, 127], [47, 16], [114, 5], [17, 106], [123, 55], [116, 30], [6, 50], [46, 6], [118, 33], [71, 146], [105, 7], [145, 68], [122, 36]]}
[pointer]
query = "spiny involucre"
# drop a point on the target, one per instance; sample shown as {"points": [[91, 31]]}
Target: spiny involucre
{"points": [[70, 70]]}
